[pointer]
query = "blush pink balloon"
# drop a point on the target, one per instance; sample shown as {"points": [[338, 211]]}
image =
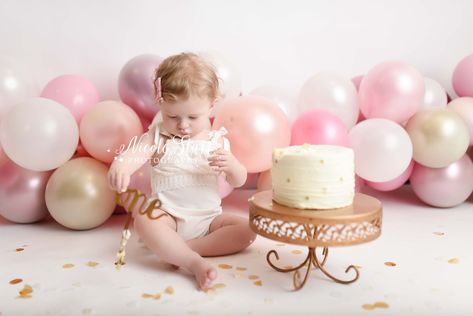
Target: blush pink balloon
{"points": [[22, 193], [255, 126], [319, 127], [264, 181], [74, 92], [224, 188], [251, 180], [392, 90], [3, 157], [106, 127], [395, 183], [136, 84], [359, 183], [463, 77], [383, 149], [444, 187]]}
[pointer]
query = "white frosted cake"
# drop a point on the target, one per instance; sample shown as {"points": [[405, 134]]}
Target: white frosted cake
{"points": [[313, 176]]}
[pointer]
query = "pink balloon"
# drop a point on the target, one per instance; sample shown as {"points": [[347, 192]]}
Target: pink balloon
{"points": [[141, 179], [444, 187], [3, 157], [74, 92], [106, 127], [392, 90], [359, 183], [251, 180], [80, 152], [395, 183], [463, 77], [224, 188], [319, 127], [264, 181], [136, 86], [255, 126], [22, 193]]}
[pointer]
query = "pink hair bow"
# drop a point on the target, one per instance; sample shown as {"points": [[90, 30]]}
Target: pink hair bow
{"points": [[159, 94]]}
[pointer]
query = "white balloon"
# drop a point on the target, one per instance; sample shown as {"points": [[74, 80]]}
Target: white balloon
{"points": [[383, 149], [39, 134], [227, 72], [434, 95], [16, 84], [331, 92], [281, 97]]}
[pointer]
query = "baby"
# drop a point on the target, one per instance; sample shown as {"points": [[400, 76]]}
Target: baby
{"points": [[187, 159]]}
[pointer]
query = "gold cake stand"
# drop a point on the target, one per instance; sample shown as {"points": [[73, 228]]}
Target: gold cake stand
{"points": [[354, 224]]}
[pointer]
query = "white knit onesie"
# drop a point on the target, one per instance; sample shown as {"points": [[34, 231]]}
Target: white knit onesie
{"points": [[186, 184]]}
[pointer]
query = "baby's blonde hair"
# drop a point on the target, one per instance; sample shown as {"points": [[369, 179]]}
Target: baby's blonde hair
{"points": [[186, 74]]}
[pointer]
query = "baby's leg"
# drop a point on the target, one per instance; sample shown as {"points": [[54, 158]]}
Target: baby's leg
{"points": [[228, 234], [160, 236]]}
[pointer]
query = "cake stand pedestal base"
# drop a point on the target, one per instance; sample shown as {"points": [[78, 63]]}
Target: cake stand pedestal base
{"points": [[354, 224]]}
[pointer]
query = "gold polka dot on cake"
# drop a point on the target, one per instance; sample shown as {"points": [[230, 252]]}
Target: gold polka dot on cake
{"points": [[288, 180], [307, 198], [322, 162]]}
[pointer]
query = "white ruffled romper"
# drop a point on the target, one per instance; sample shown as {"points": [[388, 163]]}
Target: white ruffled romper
{"points": [[185, 183]]}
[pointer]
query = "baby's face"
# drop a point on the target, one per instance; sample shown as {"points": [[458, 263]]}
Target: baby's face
{"points": [[187, 118]]}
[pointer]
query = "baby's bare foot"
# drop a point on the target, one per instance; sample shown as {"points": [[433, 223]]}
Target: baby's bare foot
{"points": [[204, 273]]}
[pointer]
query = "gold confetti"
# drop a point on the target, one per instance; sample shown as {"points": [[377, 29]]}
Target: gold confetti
{"points": [[237, 275], [253, 277], [169, 290], [219, 286], [241, 269], [454, 261], [16, 281], [296, 252], [381, 305], [68, 266], [368, 307], [390, 264], [258, 283], [26, 291], [209, 290], [225, 266], [19, 249], [156, 296], [92, 264], [439, 233]]}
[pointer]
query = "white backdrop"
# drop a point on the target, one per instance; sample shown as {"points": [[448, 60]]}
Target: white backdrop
{"points": [[275, 42]]}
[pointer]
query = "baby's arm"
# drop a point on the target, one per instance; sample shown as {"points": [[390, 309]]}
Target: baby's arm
{"points": [[127, 163], [224, 160]]}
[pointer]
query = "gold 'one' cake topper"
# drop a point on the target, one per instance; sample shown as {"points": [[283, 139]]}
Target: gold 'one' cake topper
{"points": [[134, 202]]}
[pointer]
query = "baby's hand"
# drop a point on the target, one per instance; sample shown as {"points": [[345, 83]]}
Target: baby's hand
{"points": [[222, 160], [118, 177]]}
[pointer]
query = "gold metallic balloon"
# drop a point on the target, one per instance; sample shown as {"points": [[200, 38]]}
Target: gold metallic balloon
{"points": [[439, 136], [78, 196]]}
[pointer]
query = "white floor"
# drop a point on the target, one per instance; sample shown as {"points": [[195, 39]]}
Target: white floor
{"points": [[433, 274]]}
